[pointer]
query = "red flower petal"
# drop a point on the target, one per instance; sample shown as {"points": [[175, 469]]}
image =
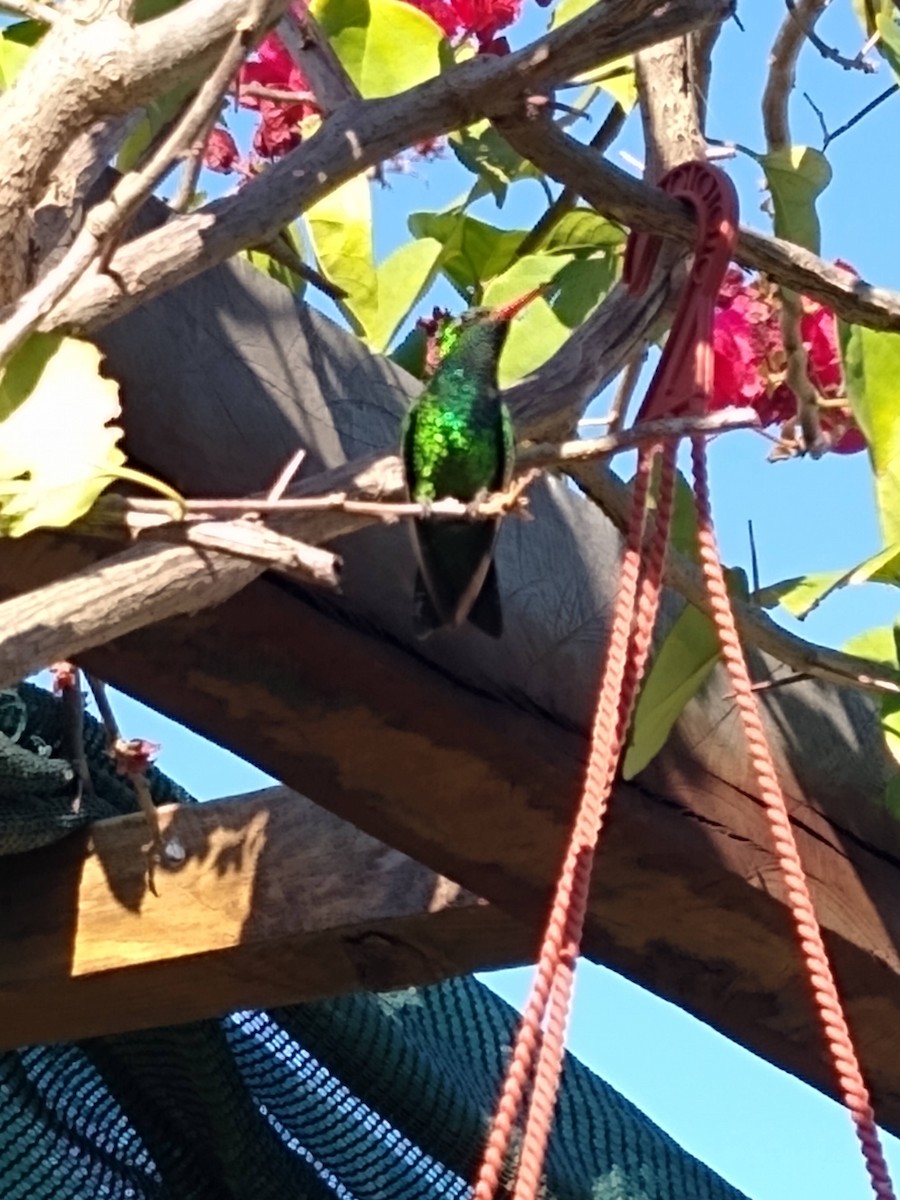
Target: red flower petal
{"points": [[220, 152]]}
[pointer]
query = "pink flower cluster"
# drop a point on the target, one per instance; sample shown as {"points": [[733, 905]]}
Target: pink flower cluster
{"points": [[273, 70], [750, 359], [481, 19]]}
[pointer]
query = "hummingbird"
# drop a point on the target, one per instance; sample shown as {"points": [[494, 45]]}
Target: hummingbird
{"points": [[458, 442]]}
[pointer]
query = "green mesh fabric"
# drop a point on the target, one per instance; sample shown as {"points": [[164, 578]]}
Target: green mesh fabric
{"points": [[364, 1097]]}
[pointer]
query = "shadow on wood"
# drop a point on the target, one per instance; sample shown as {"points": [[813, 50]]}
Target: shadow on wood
{"points": [[276, 901]]}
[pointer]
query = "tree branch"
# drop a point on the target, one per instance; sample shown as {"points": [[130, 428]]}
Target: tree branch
{"points": [[794, 31], [150, 583], [80, 73], [801, 17], [138, 587], [108, 220], [618, 195], [361, 134]]}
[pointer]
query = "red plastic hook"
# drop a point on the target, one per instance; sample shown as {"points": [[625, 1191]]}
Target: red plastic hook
{"points": [[682, 384]]}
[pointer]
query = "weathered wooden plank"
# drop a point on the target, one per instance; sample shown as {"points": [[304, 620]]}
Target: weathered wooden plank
{"points": [[466, 753], [686, 895], [276, 901]]}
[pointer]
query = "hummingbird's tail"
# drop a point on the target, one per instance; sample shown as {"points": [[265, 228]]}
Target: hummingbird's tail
{"points": [[485, 614]]}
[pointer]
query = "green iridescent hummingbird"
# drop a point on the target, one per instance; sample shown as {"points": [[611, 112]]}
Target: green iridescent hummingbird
{"points": [[458, 442]]}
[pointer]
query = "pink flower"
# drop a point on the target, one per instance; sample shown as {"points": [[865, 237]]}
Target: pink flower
{"points": [[818, 328], [278, 129], [736, 379], [749, 359], [220, 152], [486, 18], [279, 120], [441, 12], [482, 19]]}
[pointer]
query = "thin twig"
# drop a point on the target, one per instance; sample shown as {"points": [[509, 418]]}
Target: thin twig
{"points": [[187, 185], [797, 374], [104, 708], [859, 116], [286, 475], [282, 252], [312, 53], [255, 542], [796, 28], [821, 118], [191, 521], [769, 685], [625, 390], [124, 753], [567, 199], [240, 534], [859, 63], [34, 10], [105, 223], [754, 559], [789, 40], [67, 682], [279, 95]]}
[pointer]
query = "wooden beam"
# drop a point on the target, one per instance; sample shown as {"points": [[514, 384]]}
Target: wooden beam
{"points": [[686, 897], [465, 753], [276, 901]]}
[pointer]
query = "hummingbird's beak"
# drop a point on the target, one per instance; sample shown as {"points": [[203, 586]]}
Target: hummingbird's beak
{"points": [[506, 312]]}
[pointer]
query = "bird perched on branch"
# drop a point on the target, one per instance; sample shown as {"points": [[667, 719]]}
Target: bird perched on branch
{"points": [[458, 442]]}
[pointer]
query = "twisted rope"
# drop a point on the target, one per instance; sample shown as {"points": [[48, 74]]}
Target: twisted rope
{"points": [[682, 383]]}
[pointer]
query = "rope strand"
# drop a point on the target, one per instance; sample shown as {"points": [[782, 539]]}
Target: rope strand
{"points": [[825, 994], [682, 382], [588, 822]]}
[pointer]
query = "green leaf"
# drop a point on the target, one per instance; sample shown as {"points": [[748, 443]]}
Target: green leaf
{"points": [[482, 150], [13, 57], [25, 33], [876, 644], [544, 326], [797, 175], [617, 78], [871, 362], [410, 354], [57, 449], [386, 46], [147, 10], [156, 115], [877, 16], [473, 251], [679, 669], [582, 230], [340, 229], [403, 278], [801, 595]]}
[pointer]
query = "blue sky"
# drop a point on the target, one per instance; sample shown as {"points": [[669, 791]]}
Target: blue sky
{"points": [[770, 1135]]}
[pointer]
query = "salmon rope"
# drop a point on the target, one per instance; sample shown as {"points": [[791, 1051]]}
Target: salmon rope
{"points": [[682, 384]]}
